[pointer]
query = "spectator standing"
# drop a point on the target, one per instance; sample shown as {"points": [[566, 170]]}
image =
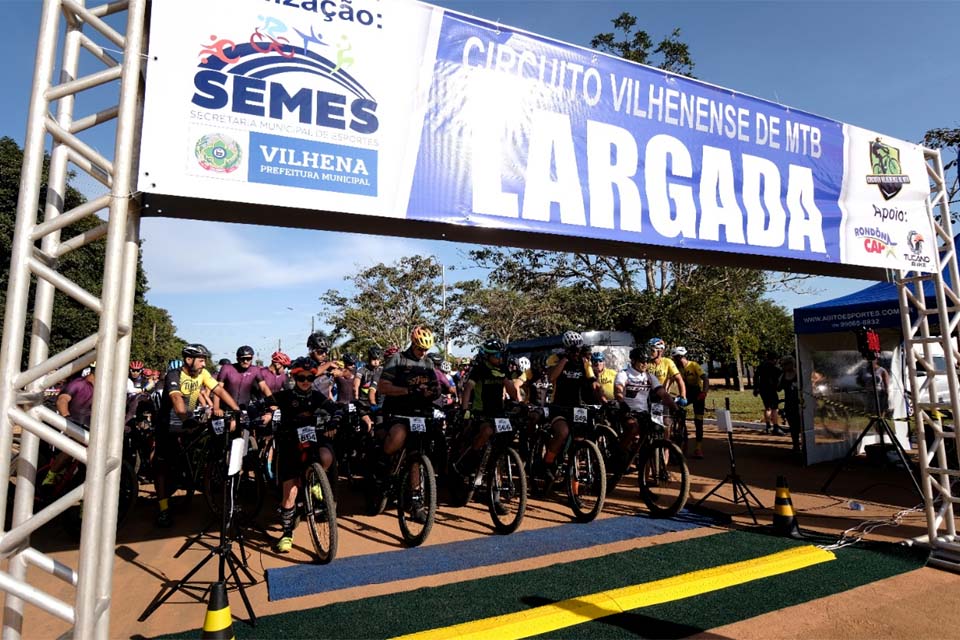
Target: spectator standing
{"points": [[790, 385], [766, 381]]}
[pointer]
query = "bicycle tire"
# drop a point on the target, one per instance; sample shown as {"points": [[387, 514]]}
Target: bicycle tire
{"points": [[128, 491], [664, 478], [586, 481], [507, 485], [320, 512], [415, 533], [678, 430], [250, 490], [542, 440], [609, 445]]}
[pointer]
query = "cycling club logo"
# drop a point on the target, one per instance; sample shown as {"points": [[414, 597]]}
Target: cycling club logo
{"points": [[217, 152], [244, 78], [915, 242], [885, 168]]}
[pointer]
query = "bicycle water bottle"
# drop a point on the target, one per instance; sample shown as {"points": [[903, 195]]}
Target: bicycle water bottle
{"points": [[853, 505]]}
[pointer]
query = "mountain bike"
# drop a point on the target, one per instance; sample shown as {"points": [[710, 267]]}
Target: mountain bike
{"points": [[499, 475], [580, 465], [411, 482], [315, 500], [250, 483]]}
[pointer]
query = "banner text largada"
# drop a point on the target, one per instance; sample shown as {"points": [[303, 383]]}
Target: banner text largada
{"points": [[677, 204]]}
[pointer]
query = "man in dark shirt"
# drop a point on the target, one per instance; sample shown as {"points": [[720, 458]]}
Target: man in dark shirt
{"points": [[766, 381]]}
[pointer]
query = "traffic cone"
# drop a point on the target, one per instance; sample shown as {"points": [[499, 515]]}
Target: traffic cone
{"points": [[218, 623], [784, 520]]}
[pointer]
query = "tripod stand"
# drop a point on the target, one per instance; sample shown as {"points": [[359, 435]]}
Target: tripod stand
{"points": [[223, 551], [740, 490], [882, 427]]}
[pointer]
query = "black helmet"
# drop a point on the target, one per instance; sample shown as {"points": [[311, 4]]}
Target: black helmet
{"points": [[223, 362], [348, 359], [317, 342], [641, 354], [493, 346], [374, 353], [195, 350], [435, 358], [245, 351]]}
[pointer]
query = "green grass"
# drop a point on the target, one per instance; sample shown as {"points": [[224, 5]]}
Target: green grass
{"points": [[744, 406]]}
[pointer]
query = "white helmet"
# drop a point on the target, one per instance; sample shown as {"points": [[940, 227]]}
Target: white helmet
{"points": [[524, 363], [679, 351], [572, 339]]}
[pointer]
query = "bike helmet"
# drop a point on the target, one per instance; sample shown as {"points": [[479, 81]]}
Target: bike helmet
{"points": [[348, 360], [679, 351], [598, 356], [524, 363], [317, 342], [303, 365], [195, 350], [422, 338], [173, 365], [224, 362], [656, 343], [280, 358], [492, 347], [435, 359], [245, 352], [572, 339], [136, 364], [445, 367], [642, 354], [374, 353], [390, 352]]}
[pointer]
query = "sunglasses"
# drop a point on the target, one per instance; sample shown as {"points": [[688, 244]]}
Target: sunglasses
{"points": [[135, 370], [246, 359], [304, 378]]}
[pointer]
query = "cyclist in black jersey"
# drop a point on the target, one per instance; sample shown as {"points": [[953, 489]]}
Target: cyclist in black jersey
{"points": [[483, 401], [573, 379], [365, 386], [298, 409]]}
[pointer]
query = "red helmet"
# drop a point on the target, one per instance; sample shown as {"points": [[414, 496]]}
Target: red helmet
{"points": [[280, 358], [389, 352], [136, 364]]}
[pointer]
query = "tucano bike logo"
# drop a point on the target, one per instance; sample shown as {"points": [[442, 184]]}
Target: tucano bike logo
{"points": [[886, 171], [245, 79]]}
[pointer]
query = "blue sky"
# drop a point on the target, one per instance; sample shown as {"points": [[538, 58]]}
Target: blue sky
{"points": [[885, 66]]}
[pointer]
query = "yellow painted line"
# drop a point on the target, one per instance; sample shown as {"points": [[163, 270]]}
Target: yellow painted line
{"points": [[568, 613]]}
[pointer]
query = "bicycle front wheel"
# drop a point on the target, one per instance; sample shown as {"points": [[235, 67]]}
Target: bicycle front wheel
{"points": [[321, 512], [586, 481], [609, 445], [664, 479], [508, 491], [416, 500]]}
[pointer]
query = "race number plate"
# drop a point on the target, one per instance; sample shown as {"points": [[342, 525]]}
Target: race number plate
{"points": [[656, 413], [277, 415], [439, 415], [307, 434], [351, 408], [217, 426], [580, 415], [503, 425], [546, 412], [418, 424]]}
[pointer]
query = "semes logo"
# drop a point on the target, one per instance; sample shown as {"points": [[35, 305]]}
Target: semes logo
{"points": [[885, 165], [242, 78], [876, 241]]}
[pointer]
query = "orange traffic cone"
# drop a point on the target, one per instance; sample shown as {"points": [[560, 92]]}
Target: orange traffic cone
{"points": [[784, 519], [218, 623]]}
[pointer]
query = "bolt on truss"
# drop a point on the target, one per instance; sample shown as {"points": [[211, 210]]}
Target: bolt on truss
{"points": [[35, 256], [929, 334]]}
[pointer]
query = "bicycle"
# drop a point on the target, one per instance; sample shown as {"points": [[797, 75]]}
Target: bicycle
{"points": [[500, 474], [579, 464], [678, 428], [250, 483], [662, 473], [411, 483]]}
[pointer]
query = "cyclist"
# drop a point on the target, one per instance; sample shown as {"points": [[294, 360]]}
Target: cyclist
{"points": [[221, 364], [298, 408], [448, 392], [632, 389], [75, 403], [181, 395], [346, 379], [666, 370], [274, 377], [319, 349], [483, 396], [605, 377], [136, 380], [408, 386], [697, 385], [365, 386], [573, 381], [239, 379]]}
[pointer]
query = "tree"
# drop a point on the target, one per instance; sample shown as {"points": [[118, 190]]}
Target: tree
{"points": [[71, 321], [635, 45], [947, 139], [390, 300]]}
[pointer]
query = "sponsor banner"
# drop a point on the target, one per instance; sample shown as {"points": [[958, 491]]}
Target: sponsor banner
{"points": [[408, 111], [850, 318]]}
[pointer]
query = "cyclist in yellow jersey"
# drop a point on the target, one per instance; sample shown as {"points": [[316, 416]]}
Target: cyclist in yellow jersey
{"points": [[697, 384], [605, 377], [666, 370]]}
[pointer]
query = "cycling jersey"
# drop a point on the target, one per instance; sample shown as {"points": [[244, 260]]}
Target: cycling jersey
{"points": [[80, 406], [274, 381], [345, 388], [403, 369], [298, 410], [637, 387], [664, 370], [239, 382], [574, 385], [693, 378], [180, 382], [606, 379], [368, 380], [487, 398]]}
